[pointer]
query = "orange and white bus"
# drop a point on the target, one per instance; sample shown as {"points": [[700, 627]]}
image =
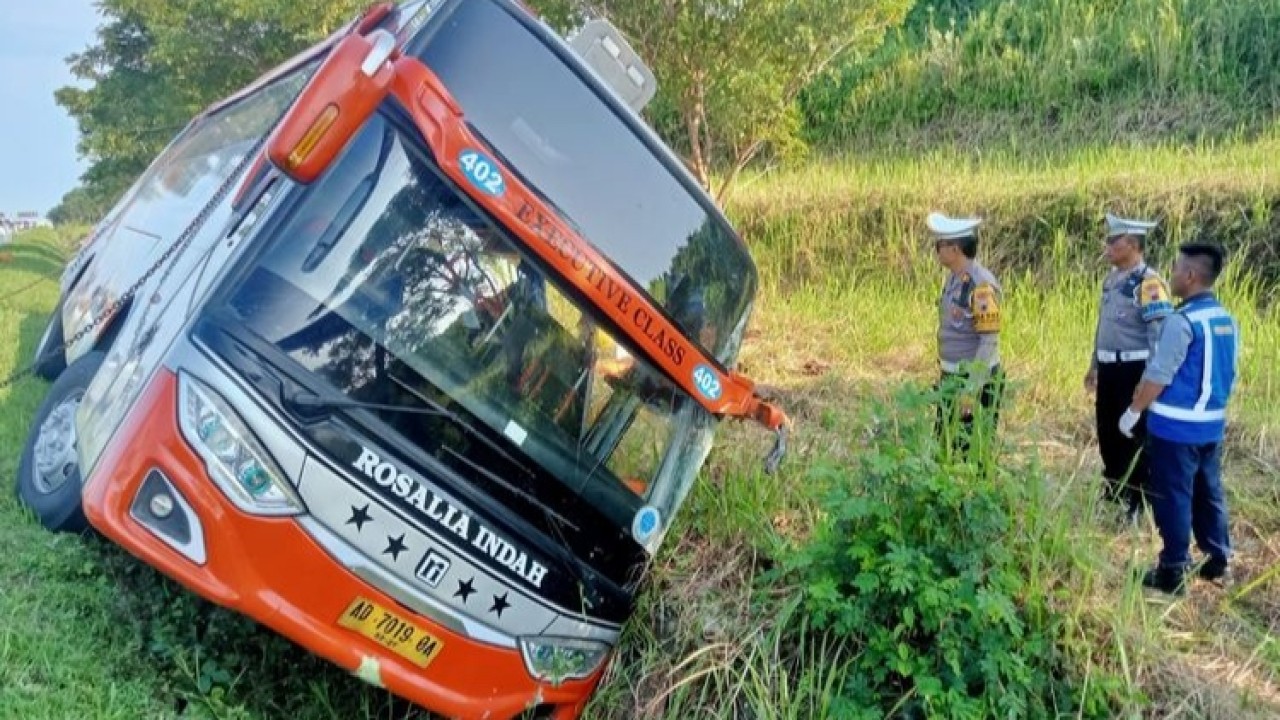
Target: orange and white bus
{"points": [[410, 351]]}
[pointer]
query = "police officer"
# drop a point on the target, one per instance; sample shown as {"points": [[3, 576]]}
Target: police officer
{"points": [[968, 332], [1185, 390], [1135, 301]]}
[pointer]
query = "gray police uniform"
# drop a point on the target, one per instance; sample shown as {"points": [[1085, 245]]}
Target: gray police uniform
{"points": [[969, 319], [1134, 303], [968, 343]]}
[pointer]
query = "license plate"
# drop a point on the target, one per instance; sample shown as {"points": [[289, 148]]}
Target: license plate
{"points": [[390, 630]]}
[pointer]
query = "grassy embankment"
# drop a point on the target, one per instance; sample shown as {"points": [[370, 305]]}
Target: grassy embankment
{"points": [[1037, 74], [848, 319]]}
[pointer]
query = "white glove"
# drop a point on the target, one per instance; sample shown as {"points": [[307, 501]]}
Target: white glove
{"points": [[1128, 420]]}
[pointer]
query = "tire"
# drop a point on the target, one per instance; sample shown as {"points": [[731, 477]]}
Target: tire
{"points": [[51, 487], [51, 367]]}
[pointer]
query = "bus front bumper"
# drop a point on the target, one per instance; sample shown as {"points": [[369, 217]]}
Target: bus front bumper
{"points": [[270, 569]]}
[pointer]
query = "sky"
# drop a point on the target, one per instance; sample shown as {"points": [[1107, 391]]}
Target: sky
{"points": [[38, 160]]}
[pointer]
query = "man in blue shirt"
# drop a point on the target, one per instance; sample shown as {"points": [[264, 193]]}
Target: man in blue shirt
{"points": [[1185, 389]]}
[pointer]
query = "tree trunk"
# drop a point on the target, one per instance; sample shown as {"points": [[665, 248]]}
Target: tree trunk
{"points": [[694, 121], [739, 163]]}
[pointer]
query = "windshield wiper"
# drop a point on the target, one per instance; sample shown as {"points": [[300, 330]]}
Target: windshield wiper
{"points": [[310, 400]]}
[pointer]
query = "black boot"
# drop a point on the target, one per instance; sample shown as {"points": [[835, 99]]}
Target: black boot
{"points": [[1166, 579], [1215, 570]]}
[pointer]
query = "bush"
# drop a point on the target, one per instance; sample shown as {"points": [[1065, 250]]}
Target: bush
{"points": [[922, 566]]}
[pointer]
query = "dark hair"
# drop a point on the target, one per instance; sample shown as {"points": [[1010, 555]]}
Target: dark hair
{"points": [[1208, 259], [968, 245]]}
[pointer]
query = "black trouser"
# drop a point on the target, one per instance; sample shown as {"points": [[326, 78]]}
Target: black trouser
{"points": [[957, 428], [1124, 465]]}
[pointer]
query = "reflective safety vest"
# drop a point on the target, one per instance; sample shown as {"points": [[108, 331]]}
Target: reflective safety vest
{"points": [[1193, 407]]}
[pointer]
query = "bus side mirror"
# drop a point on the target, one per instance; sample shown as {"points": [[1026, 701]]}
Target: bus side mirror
{"points": [[344, 91]]}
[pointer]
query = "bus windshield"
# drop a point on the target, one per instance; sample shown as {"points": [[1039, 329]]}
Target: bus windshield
{"points": [[387, 283]]}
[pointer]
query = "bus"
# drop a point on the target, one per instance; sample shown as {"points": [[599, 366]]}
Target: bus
{"points": [[410, 351]]}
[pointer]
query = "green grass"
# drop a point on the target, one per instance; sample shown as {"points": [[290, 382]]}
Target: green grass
{"points": [[831, 352], [1071, 73], [839, 222], [847, 315], [845, 320], [58, 642]]}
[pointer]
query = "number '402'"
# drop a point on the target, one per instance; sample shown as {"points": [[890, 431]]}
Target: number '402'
{"points": [[482, 172]]}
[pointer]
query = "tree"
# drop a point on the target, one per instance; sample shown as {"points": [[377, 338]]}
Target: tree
{"points": [[730, 71], [120, 112], [157, 63], [80, 206]]}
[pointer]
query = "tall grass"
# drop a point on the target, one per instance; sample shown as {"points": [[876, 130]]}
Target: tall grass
{"points": [[1093, 71], [847, 244], [706, 643], [847, 318], [834, 223]]}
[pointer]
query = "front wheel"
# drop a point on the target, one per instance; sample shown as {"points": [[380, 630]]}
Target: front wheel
{"points": [[49, 471]]}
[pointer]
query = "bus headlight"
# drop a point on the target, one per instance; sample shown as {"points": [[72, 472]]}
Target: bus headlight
{"points": [[232, 456], [556, 659]]}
